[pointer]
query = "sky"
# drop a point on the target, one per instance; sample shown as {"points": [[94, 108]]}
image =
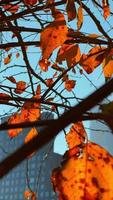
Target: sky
{"points": [[84, 84]]}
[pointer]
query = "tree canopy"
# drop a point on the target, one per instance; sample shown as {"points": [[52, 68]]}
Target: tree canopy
{"points": [[47, 49]]}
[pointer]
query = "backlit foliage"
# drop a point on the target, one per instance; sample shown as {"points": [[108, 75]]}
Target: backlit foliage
{"points": [[47, 48]]}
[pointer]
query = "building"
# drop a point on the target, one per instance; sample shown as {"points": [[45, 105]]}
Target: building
{"points": [[100, 133], [34, 172]]}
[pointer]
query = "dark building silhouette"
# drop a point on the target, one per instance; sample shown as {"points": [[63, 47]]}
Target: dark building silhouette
{"points": [[34, 172]]}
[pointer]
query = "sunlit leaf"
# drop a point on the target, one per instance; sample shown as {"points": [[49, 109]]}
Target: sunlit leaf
{"points": [[32, 133], [80, 18], [106, 8], [76, 135], [71, 10], [14, 119], [88, 176], [107, 65], [53, 35]]}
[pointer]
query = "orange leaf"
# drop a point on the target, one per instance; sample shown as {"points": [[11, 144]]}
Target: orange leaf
{"points": [[69, 85], [32, 133], [53, 35], [93, 59], [70, 53], [44, 64], [76, 135], [31, 110], [108, 66], [71, 10], [80, 18], [7, 60], [20, 87], [49, 82], [13, 120], [11, 78], [27, 194], [88, 176], [106, 9]]}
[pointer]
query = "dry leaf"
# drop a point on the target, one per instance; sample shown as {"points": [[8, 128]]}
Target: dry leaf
{"points": [[49, 82], [20, 87], [32, 133], [80, 18], [88, 176], [44, 64], [53, 35], [93, 59], [69, 85], [2, 95], [106, 8], [7, 60], [30, 2], [71, 10], [70, 53], [76, 135], [14, 119], [11, 78], [107, 65]]}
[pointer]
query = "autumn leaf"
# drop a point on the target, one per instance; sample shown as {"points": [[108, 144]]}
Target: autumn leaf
{"points": [[31, 110], [49, 82], [7, 60], [27, 194], [71, 10], [11, 79], [11, 8], [76, 135], [20, 87], [14, 119], [79, 18], [106, 9], [107, 65], [2, 95], [32, 133], [93, 59], [70, 53], [30, 2], [53, 35], [69, 85], [44, 64], [88, 176]]}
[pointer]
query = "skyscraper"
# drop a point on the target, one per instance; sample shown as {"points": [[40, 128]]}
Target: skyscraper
{"points": [[33, 173]]}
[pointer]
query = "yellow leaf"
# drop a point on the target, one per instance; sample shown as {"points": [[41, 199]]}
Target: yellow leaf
{"points": [[80, 17], [53, 35]]}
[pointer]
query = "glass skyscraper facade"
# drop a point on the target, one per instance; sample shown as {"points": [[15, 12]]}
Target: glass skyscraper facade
{"points": [[34, 172]]}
